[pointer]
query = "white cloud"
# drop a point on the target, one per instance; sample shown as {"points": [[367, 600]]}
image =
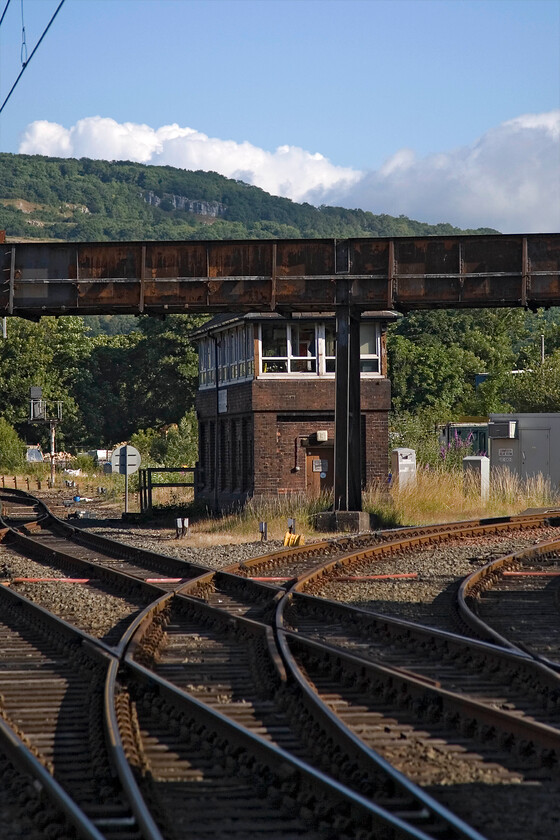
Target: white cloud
{"points": [[508, 179], [289, 171]]}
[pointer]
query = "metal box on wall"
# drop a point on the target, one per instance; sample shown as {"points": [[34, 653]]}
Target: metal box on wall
{"points": [[532, 449], [502, 429]]}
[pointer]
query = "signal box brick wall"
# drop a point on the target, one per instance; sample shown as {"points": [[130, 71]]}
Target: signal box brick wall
{"points": [[260, 435]]}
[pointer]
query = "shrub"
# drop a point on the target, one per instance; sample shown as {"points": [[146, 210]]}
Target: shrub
{"points": [[12, 448]]}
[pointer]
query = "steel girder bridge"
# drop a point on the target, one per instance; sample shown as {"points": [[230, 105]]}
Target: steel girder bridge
{"points": [[346, 277]]}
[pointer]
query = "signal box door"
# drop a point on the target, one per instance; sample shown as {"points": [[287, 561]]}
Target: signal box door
{"points": [[319, 467]]}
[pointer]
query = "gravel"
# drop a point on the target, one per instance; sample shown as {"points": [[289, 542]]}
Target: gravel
{"points": [[90, 606], [213, 557], [439, 569]]}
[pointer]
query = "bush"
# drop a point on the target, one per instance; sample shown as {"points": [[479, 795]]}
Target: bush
{"points": [[12, 448], [85, 463]]}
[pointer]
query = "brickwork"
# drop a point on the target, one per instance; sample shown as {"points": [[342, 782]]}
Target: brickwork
{"points": [[376, 446], [253, 445], [260, 450]]}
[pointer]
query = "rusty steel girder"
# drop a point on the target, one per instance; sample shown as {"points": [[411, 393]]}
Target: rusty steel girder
{"points": [[401, 273]]}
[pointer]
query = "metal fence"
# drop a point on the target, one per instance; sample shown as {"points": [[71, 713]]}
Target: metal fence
{"points": [[147, 482]]}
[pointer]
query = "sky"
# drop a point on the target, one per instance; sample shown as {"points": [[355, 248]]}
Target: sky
{"points": [[441, 110]]}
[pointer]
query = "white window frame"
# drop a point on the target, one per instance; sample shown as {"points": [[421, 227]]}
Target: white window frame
{"points": [[236, 354], [322, 361], [235, 357], [370, 358], [291, 360]]}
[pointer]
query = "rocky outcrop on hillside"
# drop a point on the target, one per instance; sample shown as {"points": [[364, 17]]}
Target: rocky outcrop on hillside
{"points": [[181, 202]]}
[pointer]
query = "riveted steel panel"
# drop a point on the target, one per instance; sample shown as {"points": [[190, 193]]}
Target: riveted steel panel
{"points": [[306, 293], [238, 259], [293, 275], [185, 294], [45, 261], [369, 256], [114, 260], [490, 255], [174, 259], [306, 258]]}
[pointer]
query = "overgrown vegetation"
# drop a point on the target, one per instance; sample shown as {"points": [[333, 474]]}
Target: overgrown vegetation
{"points": [[436, 496], [442, 496], [12, 448]]}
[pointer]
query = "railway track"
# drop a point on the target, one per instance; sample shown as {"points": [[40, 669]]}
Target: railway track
{"points": [[396, 718], [62, 537], [515, 601], [116, 582], [205, 777], [292, 563], [445, 743], [232, 665], [180, 779], [51, 688]]}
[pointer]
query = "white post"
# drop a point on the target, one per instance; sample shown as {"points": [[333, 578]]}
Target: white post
{"points": [[403, 466], [53, 426], [476, 475]]}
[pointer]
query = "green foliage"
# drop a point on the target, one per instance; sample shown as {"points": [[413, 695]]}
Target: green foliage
{"points": [[435, 356], [12, 448], [167, 370], [96, 200], [50, 354], [110, 324], [418, 431], [182, 442], [536, 390], [85, 463], [176, 446], [151, 445]]}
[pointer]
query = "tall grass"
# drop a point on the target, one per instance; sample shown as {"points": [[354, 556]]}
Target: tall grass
{"points": [[275, 511], [443, 495], [436, 496]]}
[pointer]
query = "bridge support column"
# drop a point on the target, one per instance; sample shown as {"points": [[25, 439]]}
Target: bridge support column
{"points": [[347, 435]]}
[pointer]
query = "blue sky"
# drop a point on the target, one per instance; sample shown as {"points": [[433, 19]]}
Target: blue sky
{"points": [[444, 111]]}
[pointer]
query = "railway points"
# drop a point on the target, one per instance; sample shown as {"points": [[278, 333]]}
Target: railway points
{"points": [[215, 670]]}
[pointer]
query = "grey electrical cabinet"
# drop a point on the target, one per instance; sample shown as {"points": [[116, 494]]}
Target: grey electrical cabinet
{"points": [[526, 444]]}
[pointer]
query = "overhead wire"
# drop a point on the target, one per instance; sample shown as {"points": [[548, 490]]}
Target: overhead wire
{"points": [[27, 63], [4, 12], [23, 51]]}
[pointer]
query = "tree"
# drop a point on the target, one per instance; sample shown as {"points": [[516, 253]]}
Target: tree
{"points": [[104, 387], [12, 448], [434, 358], [430, 375], [536, 390], [166, 363], [182, 442], [49, 354]]}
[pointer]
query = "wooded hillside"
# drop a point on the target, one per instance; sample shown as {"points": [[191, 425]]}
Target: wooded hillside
{"points": [[92, 200]]}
